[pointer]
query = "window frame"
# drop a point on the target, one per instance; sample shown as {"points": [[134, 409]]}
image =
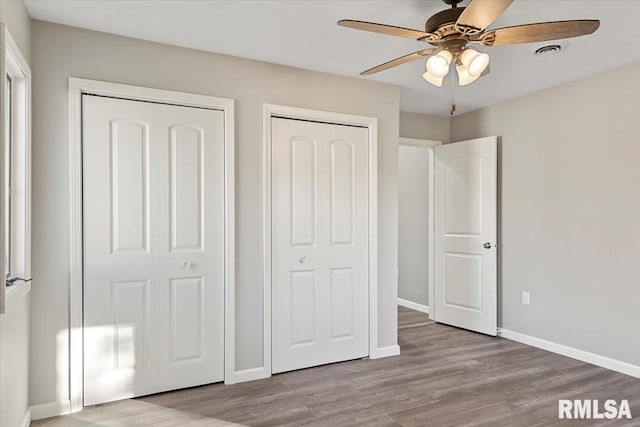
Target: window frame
{"points": [[8, 140], [15, 87]]}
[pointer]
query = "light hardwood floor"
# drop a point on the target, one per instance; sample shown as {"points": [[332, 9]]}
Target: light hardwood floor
{"points": [[443, 377]]}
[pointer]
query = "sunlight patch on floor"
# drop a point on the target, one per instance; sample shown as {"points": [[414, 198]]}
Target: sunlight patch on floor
{"points": [[144, 414]]}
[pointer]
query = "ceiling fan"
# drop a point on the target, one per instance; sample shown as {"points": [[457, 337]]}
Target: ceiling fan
{"points": [[452, 30]]}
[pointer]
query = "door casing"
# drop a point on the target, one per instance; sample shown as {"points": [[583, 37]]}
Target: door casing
{"points": [[371, 123], [430, 145], [77, 87], [431, 216]]}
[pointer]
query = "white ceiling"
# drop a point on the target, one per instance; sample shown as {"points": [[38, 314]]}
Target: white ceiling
{"points": [[304, 34]]}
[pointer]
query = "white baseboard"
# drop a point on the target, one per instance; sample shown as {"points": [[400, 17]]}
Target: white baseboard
{"points": [[574, 353], [251, 374], [26, 421], [413, 305], [391, 350], [53, 409], [262, 372]]}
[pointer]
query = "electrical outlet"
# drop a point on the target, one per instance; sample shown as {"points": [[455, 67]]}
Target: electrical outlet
{"points": [[526, 298]]}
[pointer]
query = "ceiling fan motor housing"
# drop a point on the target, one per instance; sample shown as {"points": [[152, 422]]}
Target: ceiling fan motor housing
{"points": [[443, 23]]}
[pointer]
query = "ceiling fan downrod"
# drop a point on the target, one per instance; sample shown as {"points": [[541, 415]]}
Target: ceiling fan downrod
{"points": [[453, 3]]}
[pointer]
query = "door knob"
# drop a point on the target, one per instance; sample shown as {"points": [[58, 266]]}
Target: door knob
{"points": [[186, 265], [302, 259], [487, 245]]}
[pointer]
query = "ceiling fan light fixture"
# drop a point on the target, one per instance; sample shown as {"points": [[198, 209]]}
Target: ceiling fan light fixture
{"points": [[434, 80], [451, 33], [438, 64], [464, 77], [475, 62]]}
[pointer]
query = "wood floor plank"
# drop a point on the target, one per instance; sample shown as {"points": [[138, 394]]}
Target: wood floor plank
{"points": [[444, 376]]}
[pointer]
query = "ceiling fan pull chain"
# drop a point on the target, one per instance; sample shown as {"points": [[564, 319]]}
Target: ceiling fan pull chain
{"points": [[452, 107]]}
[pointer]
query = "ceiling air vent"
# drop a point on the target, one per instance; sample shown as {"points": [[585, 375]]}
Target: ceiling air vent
{"points": [[547, 50]]}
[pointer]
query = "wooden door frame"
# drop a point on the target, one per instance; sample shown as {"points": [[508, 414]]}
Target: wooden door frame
{"points": [[78, 87], [431, 145], [371, 123]]}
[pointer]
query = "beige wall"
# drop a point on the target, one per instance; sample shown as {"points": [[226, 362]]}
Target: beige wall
{"points": [[570, 208], [60, 52], [13, 13], [14, 363], [14, 325], [424, 126]]}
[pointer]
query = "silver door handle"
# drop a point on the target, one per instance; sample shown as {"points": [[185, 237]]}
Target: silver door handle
{"points": [[302, 259], [186, 265]]}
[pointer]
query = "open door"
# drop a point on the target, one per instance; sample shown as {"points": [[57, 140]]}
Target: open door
{"points": [[466, 235]]}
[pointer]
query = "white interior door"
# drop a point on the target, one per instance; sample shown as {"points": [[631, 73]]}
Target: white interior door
{"points": [[320, 221], [153, 212], [466, 235]]}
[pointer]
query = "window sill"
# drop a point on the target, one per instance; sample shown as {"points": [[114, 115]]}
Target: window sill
{"points": [[15, 293]]}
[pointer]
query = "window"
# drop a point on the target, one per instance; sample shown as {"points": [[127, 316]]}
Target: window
{"points": [[15, 179], [7, 177]]}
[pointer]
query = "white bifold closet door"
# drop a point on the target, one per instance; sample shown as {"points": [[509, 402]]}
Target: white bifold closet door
{"points": [[153, 209], [320, 222], [466, 285]]}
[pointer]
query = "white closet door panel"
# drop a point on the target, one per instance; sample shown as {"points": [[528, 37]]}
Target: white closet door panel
{"points": [[186, 175], [342, 199], [186, 322], [303, 191], [342, 286], [191, 254], [304, 308], [120, 270], [153, 247], [129, 170], [320, 243]]}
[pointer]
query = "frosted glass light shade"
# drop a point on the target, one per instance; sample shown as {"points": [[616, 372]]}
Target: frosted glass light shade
{"points": [[475, 62], [434, 80], [438, 64], [464, 77]]}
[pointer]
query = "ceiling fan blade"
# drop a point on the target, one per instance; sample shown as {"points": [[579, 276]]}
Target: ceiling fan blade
{"points": [[389, 30], [540, 32], [395, 62], [480, 14]]}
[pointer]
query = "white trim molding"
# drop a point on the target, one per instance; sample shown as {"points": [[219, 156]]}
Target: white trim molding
{"points": [[371, 123], [419, 142], [251, 374], [388, 351], [574, 353], [413, 305], [78, 87], [18, 93], [53, 409], [431, 261], [26, 421]]}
